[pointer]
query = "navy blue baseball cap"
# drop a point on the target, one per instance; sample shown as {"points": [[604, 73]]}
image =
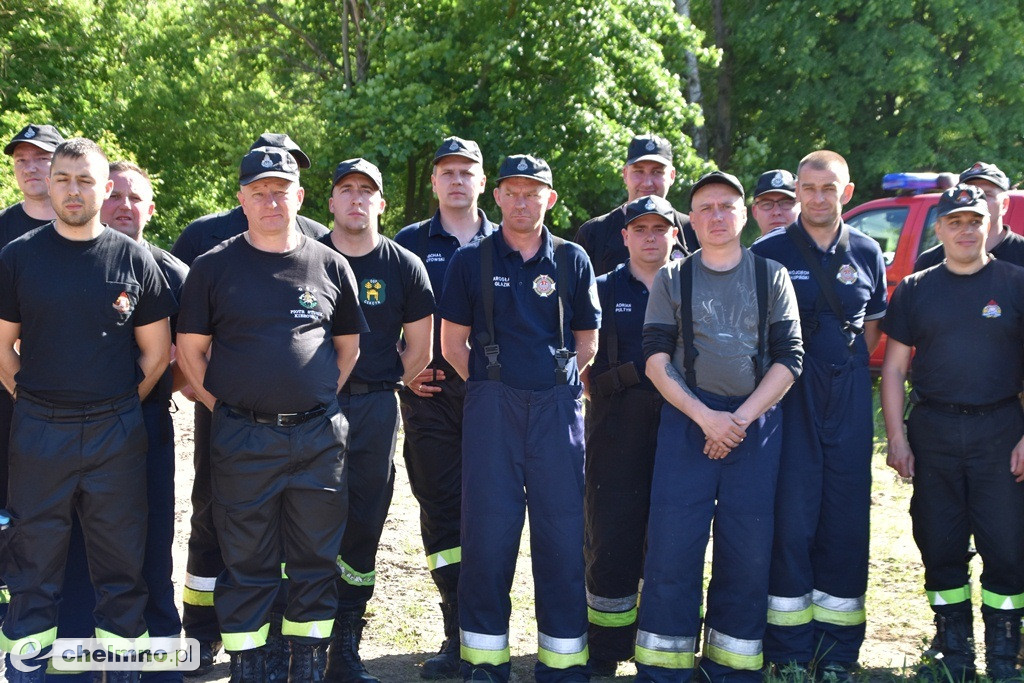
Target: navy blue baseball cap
{"points": [[644, 206], [962, 198], [989, 172], [45, 137], [358, 165], [649, 148], [267, 162], [457, 147], [779, 180], [284, 142], [717, 178], [525, 166]]}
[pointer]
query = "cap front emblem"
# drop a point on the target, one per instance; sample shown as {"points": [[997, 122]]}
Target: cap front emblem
{"points": [[649, 205], [963, 197], [266, 163], [847, 274], [543, 285], [777, 180], [522, 165], [454, 146], [30, 133], [650, 145]]}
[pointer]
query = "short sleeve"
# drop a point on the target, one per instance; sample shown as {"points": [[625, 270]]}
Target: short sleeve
{"points": [[876, 305], [194, 313], [9, 309], [156, 301], [419, 294], [897, 323], [348, 316], [586, 307], [457, 296], [661, 308]]}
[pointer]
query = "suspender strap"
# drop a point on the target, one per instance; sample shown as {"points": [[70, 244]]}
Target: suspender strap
{"points": [[761, 287], [826, 281], [686, 320], [488, 339], [562, 354]]}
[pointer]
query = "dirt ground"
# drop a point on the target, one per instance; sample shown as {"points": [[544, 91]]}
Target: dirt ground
{"points": [[405, 623]]}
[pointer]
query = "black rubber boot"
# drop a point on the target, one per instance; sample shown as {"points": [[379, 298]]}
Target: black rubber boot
{"points": [[308, 663], [954, 646], [445, 664], [277, 652], [14, 674], [249, 666], [1002, 642], [208, 650], [343, 662]]}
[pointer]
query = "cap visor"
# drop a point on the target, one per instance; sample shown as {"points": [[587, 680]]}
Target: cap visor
{"points": [[460, 153], [45, 146], [270, 174], [964, 209], [788, 193], [524, 175], [300, 158], [649, 157]]}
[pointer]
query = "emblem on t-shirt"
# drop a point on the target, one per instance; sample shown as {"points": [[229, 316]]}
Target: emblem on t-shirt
{"points": [[374, 292], [992, 310], [543, 285], [847, 274], [308, 299], [677, 254], [123, 304]]}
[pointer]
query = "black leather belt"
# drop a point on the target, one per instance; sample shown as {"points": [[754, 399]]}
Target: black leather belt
{"points": [[277, 419], [968, 409], [357, 388]]}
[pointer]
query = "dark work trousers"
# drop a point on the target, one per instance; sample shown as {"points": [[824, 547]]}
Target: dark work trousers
{"points": [[370, 466], [622, 434], [518, 446], [433, 459], [820, 556], [273, 488], [91, 460], [6, 412], [78, 600], [204, 561], [690, 490], [963, 486]]}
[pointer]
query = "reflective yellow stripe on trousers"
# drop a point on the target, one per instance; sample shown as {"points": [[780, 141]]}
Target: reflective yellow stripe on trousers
{"points": [[482, 648], [561, 653], [830, 609], [735, 653], [611, 612], [668, 652]]}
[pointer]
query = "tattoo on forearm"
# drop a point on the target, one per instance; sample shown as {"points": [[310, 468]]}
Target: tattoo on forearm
{"points": [[674, 375]]}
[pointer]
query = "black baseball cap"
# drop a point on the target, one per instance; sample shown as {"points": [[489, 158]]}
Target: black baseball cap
{"points": [[284, 142], [989, 172], [717, 178], [649, 148], [358, 165], [525, 166], [778, 180], [644, 206], [457, 147], [962, 198], [44, 137], [268, 162]]}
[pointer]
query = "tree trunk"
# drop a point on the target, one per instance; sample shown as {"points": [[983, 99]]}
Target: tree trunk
{"points": [[723, 119], [693, 91]]}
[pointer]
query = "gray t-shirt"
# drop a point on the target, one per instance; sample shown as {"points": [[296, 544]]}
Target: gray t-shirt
{"points": [[724, 319]]}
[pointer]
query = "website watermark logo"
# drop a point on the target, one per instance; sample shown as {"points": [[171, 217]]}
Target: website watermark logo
{"points": [[107, 654]]}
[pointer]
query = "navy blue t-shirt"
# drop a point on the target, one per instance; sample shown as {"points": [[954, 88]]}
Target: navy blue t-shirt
{"points": [[175, 272], [625, 298], [78, 303], [860, 284], [14, 223], [206, 232], [272, 317], [393, 290], [968, 332], [435, 246], [525, 309]]}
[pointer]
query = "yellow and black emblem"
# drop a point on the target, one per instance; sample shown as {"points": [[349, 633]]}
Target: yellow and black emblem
{"points": [[374, 292]]}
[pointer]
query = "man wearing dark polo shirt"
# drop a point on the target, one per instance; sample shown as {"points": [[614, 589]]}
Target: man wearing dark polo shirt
{"points": [[519, 319], [432, 403], [277, 314], [396, 299]]}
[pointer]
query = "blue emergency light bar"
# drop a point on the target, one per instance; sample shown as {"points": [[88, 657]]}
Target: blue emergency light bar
{"points": [[910, 181]]}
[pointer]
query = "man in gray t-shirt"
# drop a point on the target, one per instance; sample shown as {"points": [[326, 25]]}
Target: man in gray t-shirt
{"points": [[722, 342]]}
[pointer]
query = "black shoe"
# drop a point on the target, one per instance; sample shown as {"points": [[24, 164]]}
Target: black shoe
{"points": [[278, 653], [249, 666], [446, 663], [14, 673], [308, 663], [1002, 642], [122, 676], [343, 662], [208, 650], [603, 668]]}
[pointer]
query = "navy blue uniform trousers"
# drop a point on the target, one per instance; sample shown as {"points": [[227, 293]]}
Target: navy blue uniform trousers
{"points": [[690, 490], [819, 569], [204, 561], [433, 459], [370, 468], [518, 446]]}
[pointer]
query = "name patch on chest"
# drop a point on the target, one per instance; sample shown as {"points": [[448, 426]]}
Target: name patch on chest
{"points": [[623, 307], [502, 281], [799, 275], [434, 258]]}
